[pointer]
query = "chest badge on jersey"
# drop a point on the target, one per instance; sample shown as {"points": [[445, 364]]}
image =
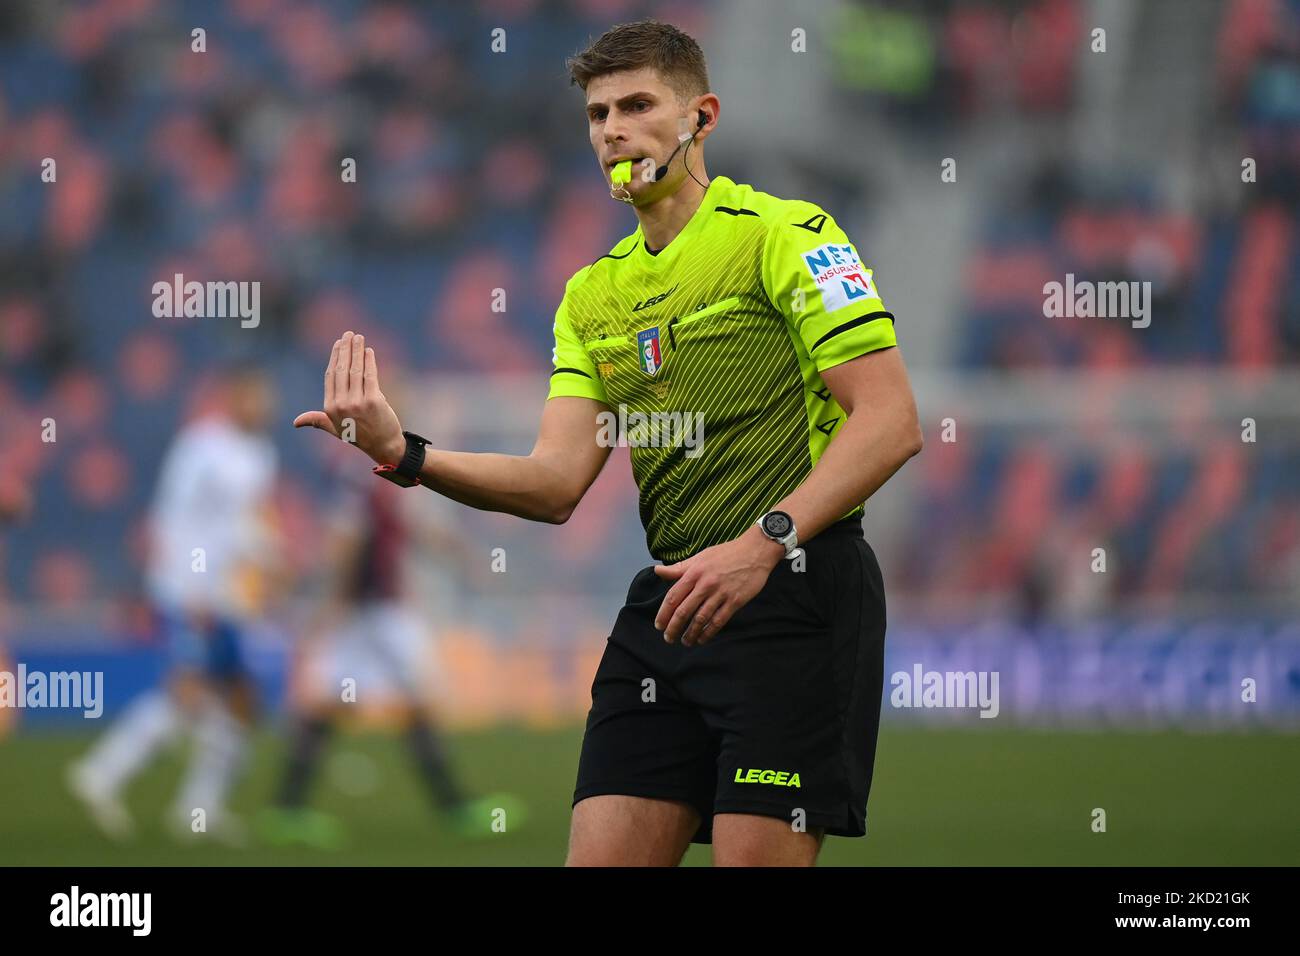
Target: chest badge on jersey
{"points": [[647, 344]]}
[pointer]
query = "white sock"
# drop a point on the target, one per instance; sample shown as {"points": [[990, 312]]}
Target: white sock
{"points": [[220, 743], [151, 721]]}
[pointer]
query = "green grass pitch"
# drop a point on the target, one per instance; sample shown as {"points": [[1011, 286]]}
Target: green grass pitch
{"points": [[939, 798]]}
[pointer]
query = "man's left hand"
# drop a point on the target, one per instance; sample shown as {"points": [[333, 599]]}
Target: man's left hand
{"points": [[713, 585]]}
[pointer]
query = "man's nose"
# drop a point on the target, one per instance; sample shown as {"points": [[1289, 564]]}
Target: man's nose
{"points": [[614, 130]]}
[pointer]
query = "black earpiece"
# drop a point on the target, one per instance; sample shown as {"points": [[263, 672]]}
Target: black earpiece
{"points": [[662, 171]]}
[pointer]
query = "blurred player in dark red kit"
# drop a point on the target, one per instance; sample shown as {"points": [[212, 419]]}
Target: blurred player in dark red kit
{"points": [[367, 648]]}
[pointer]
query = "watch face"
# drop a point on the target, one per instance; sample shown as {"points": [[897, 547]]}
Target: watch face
{"points": [[777, 524]]}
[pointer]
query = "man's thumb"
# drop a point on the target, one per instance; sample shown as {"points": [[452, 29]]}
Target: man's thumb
{"points": [[315, 420], [670, 570]]}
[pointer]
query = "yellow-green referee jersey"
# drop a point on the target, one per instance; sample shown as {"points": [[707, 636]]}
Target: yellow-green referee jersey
{"points": [[709, 356]]}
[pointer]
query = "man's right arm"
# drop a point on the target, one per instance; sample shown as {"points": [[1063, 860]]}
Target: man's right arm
{"points": [[544, 485], [548, 483]]}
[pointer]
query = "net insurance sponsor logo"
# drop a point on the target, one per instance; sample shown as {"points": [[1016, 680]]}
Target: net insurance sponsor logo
{"points": [[66, 690], [839, 275], [75, 908]]}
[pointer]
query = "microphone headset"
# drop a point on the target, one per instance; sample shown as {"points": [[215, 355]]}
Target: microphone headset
{"points": [[662, 171]]}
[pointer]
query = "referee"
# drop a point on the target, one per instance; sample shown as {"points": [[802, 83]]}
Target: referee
{"points": [[738, 698]]}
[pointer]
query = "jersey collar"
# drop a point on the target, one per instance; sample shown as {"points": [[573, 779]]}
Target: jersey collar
{"points": [[717, 185]]}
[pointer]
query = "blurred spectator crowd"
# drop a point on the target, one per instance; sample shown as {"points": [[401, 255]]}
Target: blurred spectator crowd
{"points": [[473, 173]]}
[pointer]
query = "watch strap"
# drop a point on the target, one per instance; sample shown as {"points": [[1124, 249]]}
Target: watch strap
{"points": [[407, 471]]}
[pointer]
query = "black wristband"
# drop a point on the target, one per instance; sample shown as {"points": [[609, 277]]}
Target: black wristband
{"points": [[406, 472]]}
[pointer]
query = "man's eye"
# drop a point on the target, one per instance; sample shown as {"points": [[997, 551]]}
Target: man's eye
{"points": [[640, 103]]}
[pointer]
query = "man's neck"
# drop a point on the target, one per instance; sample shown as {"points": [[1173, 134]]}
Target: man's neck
{"points": [[661, 221]]}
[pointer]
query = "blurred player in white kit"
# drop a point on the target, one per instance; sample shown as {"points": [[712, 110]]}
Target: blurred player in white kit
{"points": [[214, 562]]}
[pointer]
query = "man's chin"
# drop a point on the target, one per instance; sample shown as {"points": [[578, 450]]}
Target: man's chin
{"points": [[644, 194]]}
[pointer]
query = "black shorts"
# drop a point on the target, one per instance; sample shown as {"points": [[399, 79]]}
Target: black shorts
{"points": [[776, 714]]}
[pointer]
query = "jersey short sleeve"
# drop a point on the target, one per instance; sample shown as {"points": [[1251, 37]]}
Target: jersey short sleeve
{"points": [[573, 372], [812, 274]]}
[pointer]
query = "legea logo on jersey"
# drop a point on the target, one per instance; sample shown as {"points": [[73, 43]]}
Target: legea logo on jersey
{"points": [[839, 275], [647, 342]]}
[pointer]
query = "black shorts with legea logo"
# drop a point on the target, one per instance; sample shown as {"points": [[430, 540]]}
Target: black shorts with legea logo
{"points": [[776, 715]]}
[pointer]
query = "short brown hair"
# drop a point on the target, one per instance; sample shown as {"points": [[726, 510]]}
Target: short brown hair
{"points": [[631, 46]]}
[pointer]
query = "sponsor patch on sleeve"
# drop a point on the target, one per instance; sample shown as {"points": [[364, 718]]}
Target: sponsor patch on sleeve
{"points": [[840, 275]]}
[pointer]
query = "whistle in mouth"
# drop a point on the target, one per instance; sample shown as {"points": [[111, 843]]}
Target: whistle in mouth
{"points": [[622, 173]]}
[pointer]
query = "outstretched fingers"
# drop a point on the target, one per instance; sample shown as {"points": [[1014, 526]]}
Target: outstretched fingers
{"points": [[342, 361], [356, 369], [329, 373], [370, 380]]}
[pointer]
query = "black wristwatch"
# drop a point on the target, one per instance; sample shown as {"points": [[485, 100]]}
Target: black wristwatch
{"points": [[407, 471]]}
